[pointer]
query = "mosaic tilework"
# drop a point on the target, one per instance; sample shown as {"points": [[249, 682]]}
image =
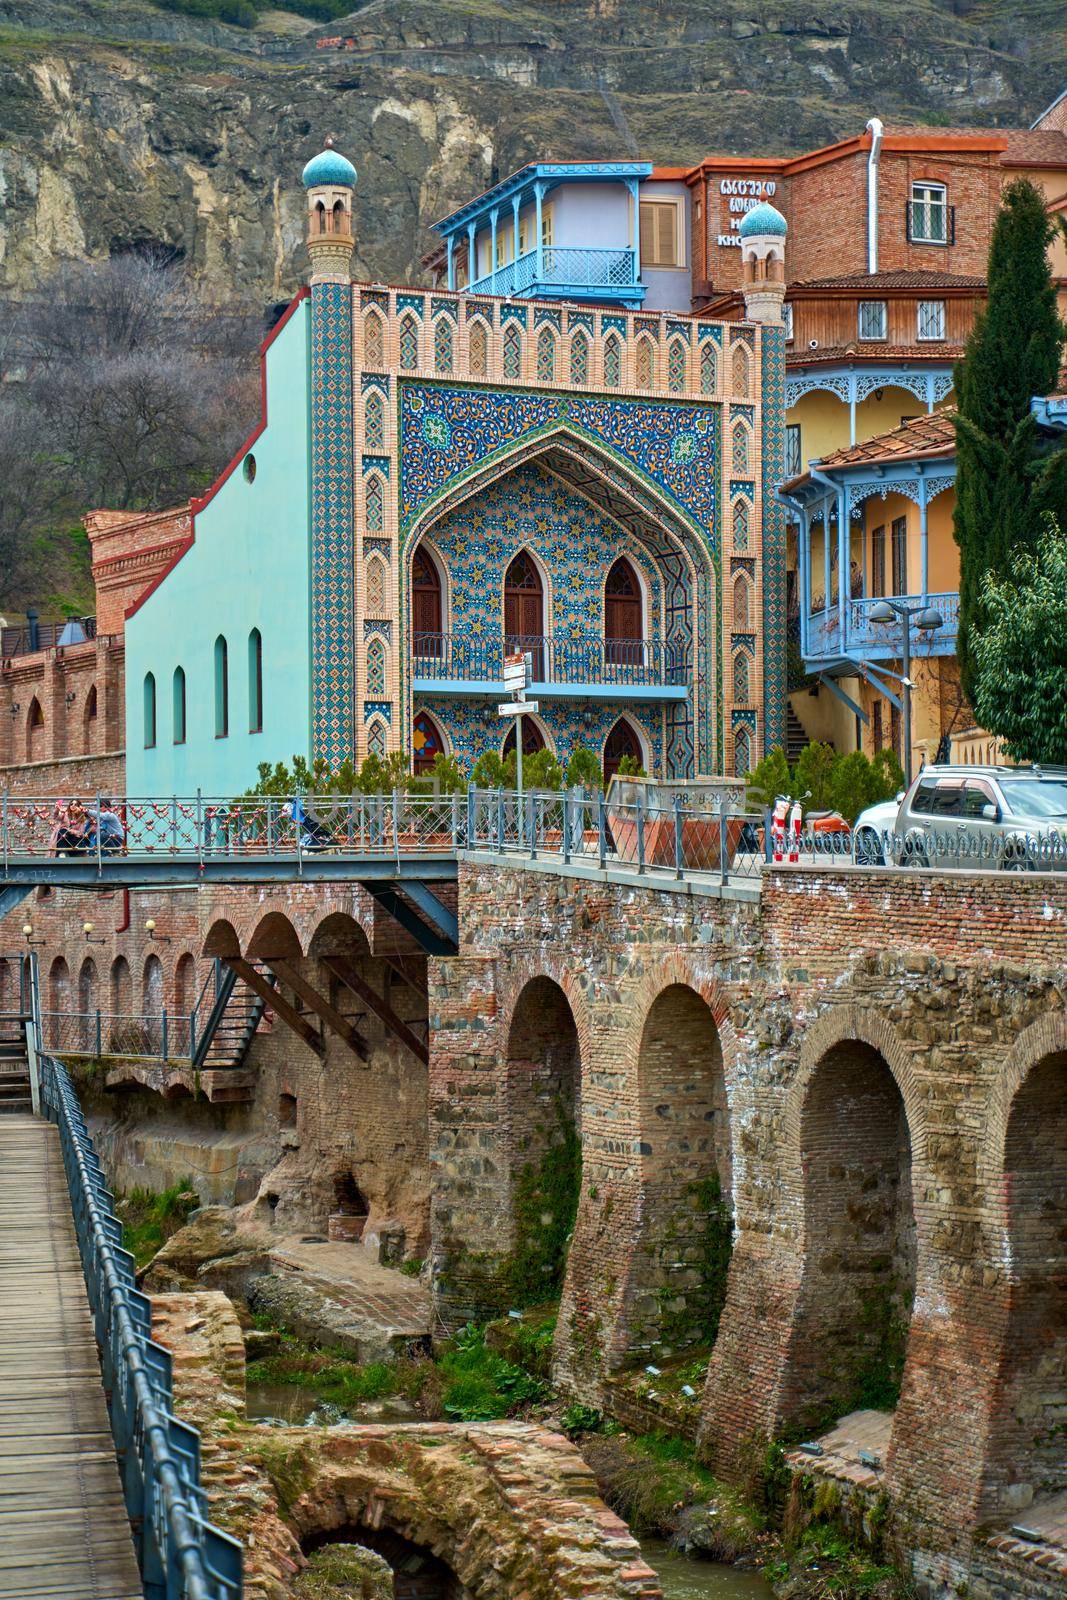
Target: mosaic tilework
{"points": [[773, 543], [332, 539], [472, 726], [668, 443], [574, 546]]}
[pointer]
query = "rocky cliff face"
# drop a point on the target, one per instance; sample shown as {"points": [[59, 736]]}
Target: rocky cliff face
{"points": [[122, 125]]}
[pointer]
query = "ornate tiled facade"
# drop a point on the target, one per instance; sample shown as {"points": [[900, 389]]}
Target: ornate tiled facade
{"points": [[485, 426]]}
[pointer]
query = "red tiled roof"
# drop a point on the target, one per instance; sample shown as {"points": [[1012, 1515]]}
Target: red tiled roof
{"points": [[1042, 146], [930, 435], [901, 279], [936, 351]]}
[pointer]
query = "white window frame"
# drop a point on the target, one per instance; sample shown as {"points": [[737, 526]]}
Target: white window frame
{"points": [[787, 318], [925, 199], [939, 311], [883, 321]]}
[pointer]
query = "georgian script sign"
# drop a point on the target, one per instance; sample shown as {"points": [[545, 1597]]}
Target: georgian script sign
{"points": [[740, 195]]}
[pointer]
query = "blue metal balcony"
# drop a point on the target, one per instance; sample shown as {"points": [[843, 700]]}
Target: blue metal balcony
{"points": [[576, 669], [863, 640], [567, 274]]}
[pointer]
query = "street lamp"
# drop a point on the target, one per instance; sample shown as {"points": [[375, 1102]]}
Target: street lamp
{"points": [[929, 619]]}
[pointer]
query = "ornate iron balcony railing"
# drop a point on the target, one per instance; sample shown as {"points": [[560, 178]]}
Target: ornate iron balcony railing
{"points": [[561, 264], [864, 638], [635, 662]]}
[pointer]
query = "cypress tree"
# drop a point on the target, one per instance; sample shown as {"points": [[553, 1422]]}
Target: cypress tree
{"points": [[1013, 353]]}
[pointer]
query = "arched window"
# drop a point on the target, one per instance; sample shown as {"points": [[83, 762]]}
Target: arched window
{"points": [[185, 984], [546, 356], [35, 731], [742, 604], [524, 609], [427, 742], [579, 358], [740, 369], [478, 345], [89, 720], [409, 342], [320, 217], [120, 985], [152, 986], [533, 738], [87, 995], [645, 363], [511, 346], [612, 361], [373, 340], [374, 505], [374, 420], [741, 689], [177, 691], [677, 363], [742, 752], [59, 995], [740, 449], [740, 525], [222, 688], [376, 738], [442, 344], [255, 681], [377, 587], [339, 216], [621, 741], [709, 367], [375, 669], [427, 624], [149, 697], [622, 615]]}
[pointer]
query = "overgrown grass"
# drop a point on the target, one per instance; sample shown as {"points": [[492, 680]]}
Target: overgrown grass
{"points": [[148, 1219], [480, 1385], [651, 1479]]}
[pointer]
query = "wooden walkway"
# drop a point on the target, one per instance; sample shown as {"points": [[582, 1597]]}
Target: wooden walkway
{"points": [[63, 1525]]}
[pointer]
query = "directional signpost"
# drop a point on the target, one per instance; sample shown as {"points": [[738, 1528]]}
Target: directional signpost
{"points": [[518, 669]]}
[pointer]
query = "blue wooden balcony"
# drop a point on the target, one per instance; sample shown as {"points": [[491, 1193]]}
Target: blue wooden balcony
{"points": [[824, 642], [566, 273], [585, 668]]}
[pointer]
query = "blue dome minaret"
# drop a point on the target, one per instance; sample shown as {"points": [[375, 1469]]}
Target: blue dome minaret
{"points": [[763, 231], [329, 179]]}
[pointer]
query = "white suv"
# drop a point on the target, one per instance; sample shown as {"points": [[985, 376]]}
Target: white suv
{"points": [[1013, 818]]}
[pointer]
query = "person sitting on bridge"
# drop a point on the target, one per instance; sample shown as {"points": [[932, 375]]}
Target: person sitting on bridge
{"points": [[69, 829], [105, 822], [314, 834]]}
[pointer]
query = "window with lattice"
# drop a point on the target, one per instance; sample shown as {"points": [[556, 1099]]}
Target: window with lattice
{"points": [[742, 752], [740, 369], [377, 587], [375, 505], [442, 344], [409, 343], [546, 356], [374, 420], [375, 669], [579, 358], [511, 348], [709, 367], [742, 604], [612, 361], [676, 366], [376, 739], [740, 449], [741, 689], [645, 364], [478, 346], [373, 340], [740, 525]]}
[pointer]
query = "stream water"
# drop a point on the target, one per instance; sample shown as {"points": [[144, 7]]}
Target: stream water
{"points": [[681, 1578]]}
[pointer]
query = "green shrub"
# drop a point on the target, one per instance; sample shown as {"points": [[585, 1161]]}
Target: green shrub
{"points": [[542, 771], [584, 769]]}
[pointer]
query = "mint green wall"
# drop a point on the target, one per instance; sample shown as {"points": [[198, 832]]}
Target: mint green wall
{"points": [[248, 568]]}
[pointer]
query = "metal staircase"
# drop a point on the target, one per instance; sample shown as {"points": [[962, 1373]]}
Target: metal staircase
{"points": [[222, 1043], [15, 1093]]}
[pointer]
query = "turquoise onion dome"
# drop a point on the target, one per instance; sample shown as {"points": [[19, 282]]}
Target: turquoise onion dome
{"points": [[761, 219], [329, 166]]}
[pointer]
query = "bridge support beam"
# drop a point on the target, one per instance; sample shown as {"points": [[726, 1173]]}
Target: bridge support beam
{"points": [[346, 974], [432, 924], [322, 1008], [268, 992]]}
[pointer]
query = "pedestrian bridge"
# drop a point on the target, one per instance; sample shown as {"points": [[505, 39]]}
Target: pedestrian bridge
{"points": [[100, 1495]]}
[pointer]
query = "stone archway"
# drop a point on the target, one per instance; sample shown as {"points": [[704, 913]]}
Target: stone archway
{"points": [[849, 1334], [676, 1284], [1025, 1459], [543, 1121]]}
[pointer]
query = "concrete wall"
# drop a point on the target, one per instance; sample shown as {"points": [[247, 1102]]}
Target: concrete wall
{"points": [[247, 568]]}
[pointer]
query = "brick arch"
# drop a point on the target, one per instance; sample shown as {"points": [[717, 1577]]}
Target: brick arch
{"points": [[222, 939], [1046, 1036], [680, 968], [274, 935], [337, 929]]}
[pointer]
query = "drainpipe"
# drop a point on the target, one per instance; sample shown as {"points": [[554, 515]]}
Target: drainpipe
{"points": [[874, 127]]}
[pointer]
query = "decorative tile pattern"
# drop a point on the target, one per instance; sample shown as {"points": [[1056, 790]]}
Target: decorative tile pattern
{"points": [[332, 537], [773, 539], [471, 726]]}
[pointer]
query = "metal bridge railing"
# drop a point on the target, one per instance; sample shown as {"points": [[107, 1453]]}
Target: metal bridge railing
{"points": [[148, 1036], [182, 1556]]}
